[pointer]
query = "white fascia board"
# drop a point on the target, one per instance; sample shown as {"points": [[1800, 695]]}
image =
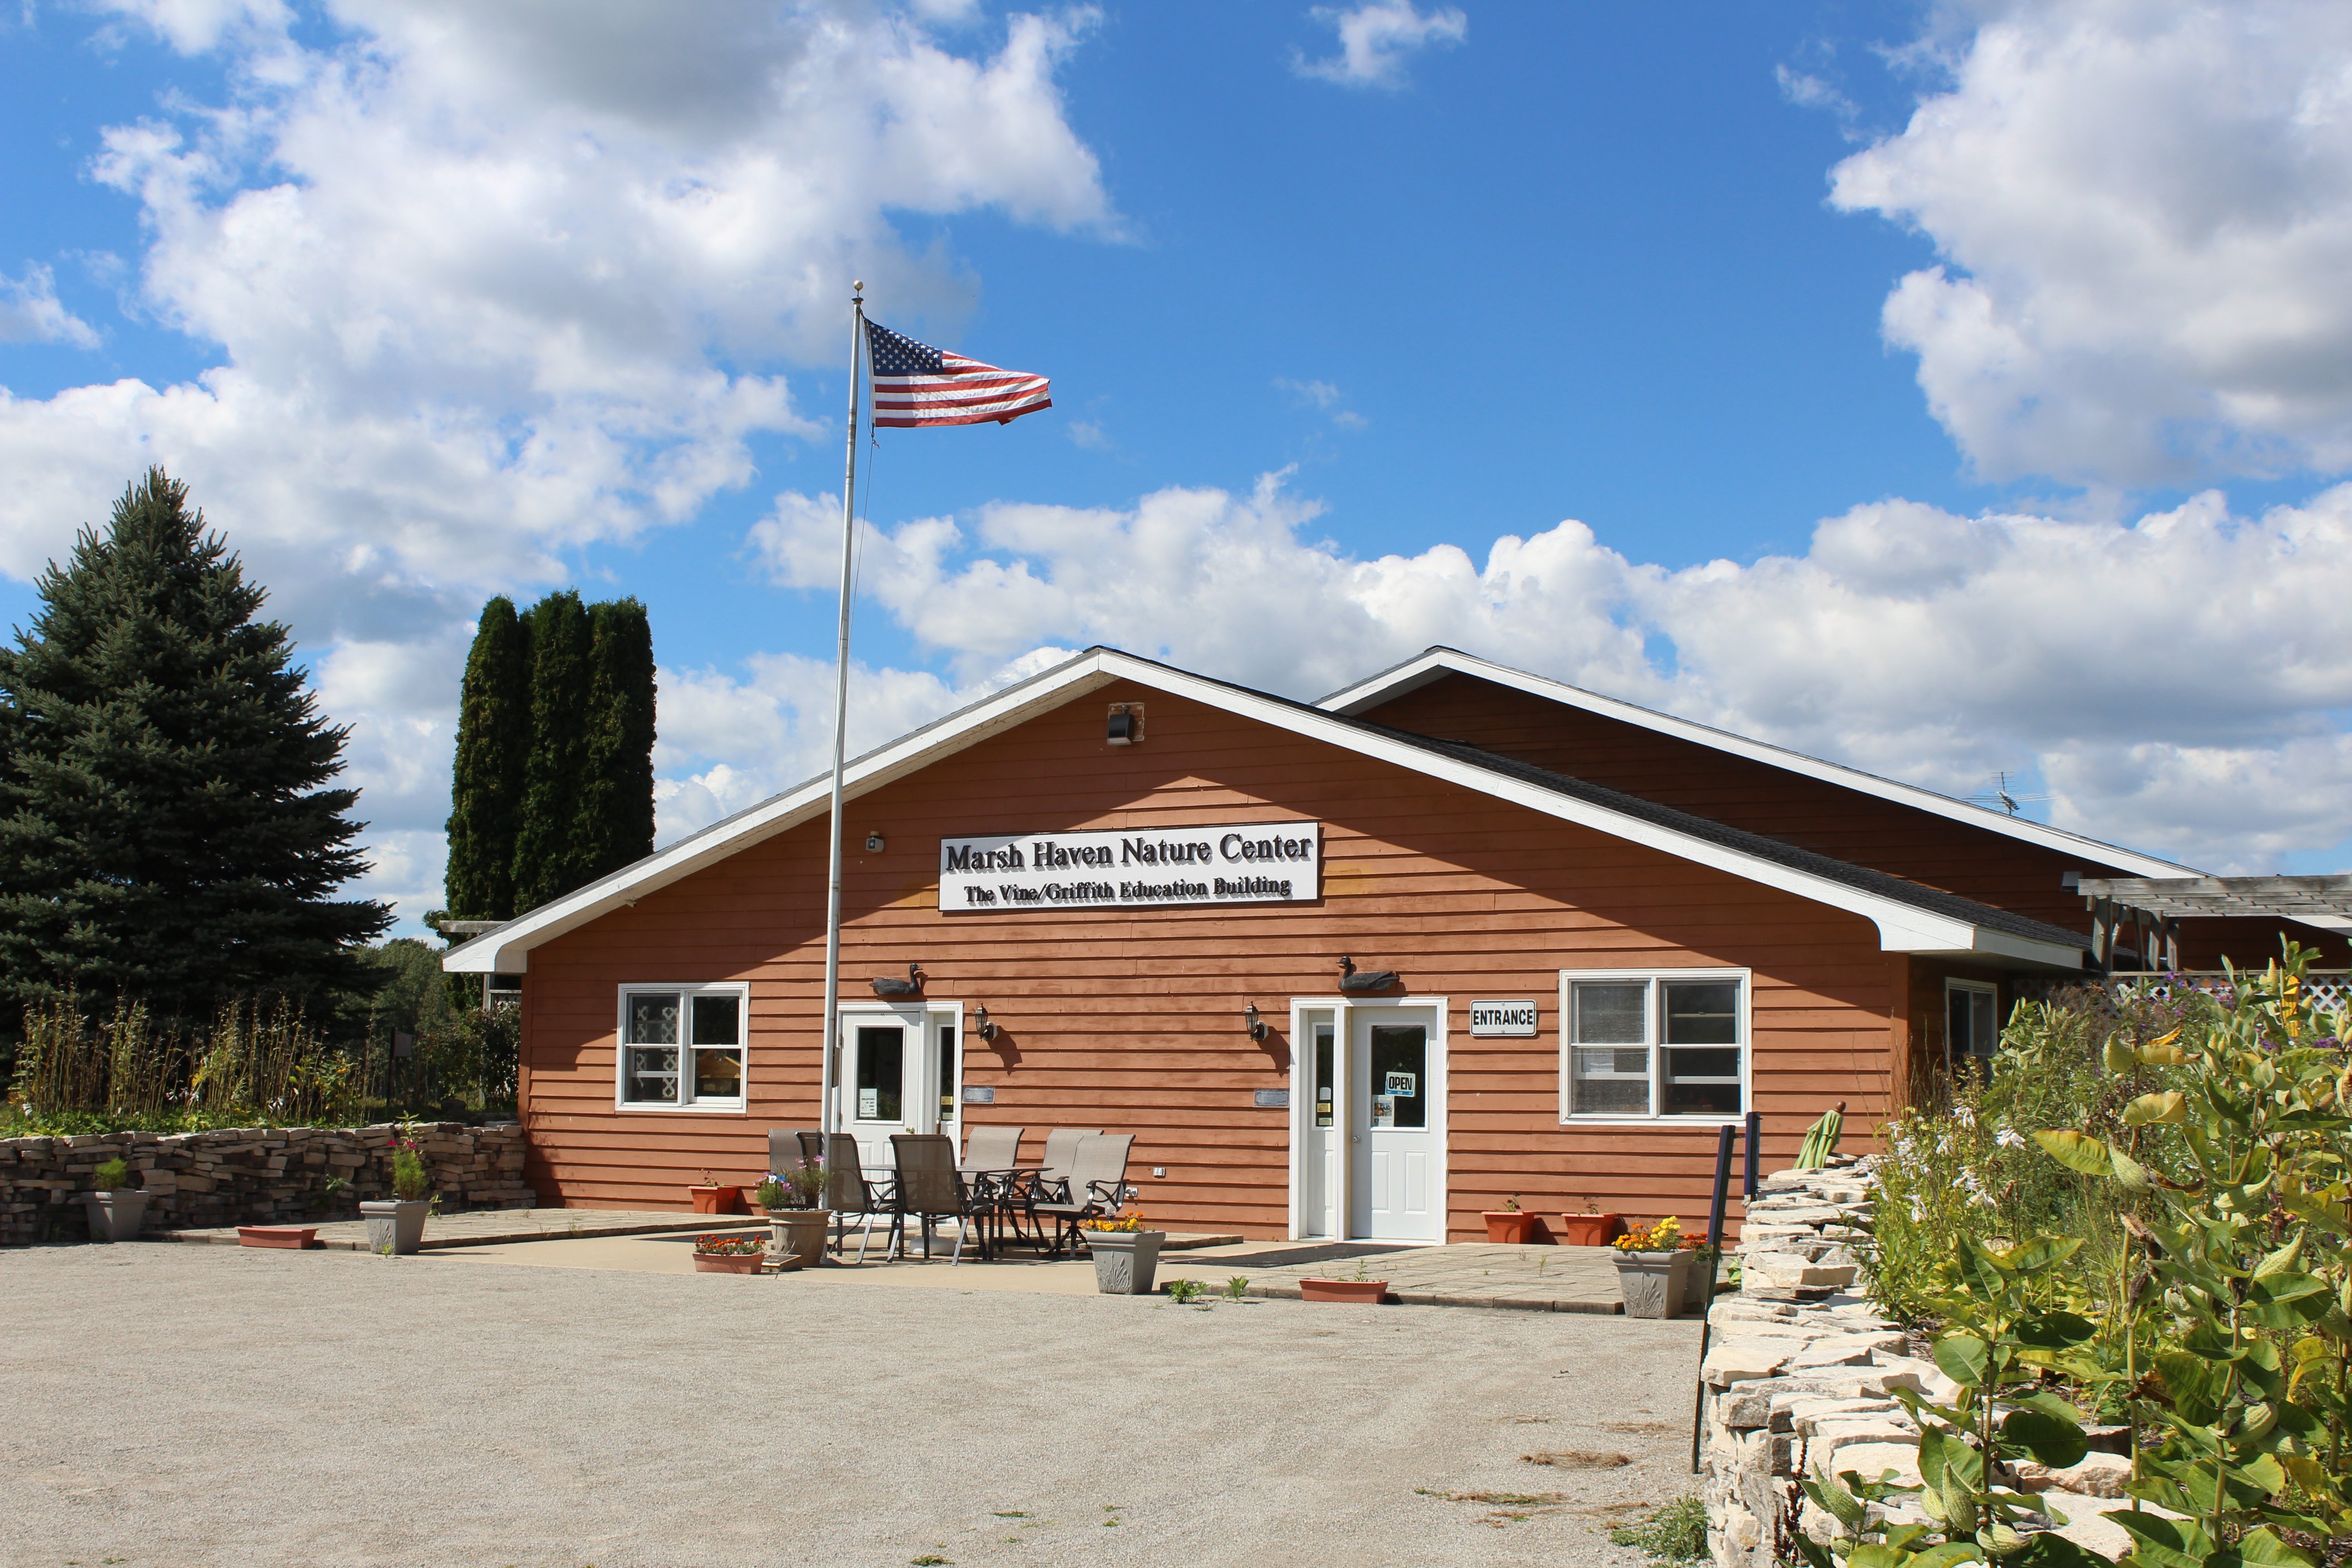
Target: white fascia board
{"points": [[507, 949], [1417, 673], [1902, 928]]}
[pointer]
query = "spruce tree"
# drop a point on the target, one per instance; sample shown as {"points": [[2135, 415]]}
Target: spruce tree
{"points": [[485, 796], [616, 825], [165, 831], [548, 858]]}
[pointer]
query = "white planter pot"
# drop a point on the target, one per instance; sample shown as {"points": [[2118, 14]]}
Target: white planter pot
{"points": [[1654, 1283], [116, 1216], [395, 1224], [1125, 1260], [797, 1236]]}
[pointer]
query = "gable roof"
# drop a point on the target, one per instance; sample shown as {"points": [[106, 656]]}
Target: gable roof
{"points": [[1437, 663], [1910, 917]]}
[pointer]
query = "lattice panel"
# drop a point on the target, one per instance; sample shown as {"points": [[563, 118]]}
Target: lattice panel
{"points": [[2328, 990]]}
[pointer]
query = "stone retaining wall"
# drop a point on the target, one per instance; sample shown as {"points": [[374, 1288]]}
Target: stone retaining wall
{"points": [[1800, 1374], [249, 1175]]}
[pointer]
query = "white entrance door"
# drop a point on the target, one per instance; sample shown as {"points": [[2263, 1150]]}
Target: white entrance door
{"points": [[901, 1071], [1396, 1073]]}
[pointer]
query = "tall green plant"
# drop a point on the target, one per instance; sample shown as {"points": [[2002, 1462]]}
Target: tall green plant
{"points": [[616, 824], [548, 861], [2247, 1261]]}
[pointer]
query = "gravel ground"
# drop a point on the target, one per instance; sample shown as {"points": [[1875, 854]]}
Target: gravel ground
{"points": [[189, 1406]]}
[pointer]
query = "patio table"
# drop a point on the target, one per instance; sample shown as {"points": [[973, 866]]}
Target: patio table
{"points": [[1004, 1188]]}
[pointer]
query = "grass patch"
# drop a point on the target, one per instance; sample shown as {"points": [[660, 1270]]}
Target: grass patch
{"points": [[1674, 1537]]}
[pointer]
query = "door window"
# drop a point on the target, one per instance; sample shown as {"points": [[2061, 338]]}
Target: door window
{"points": [[1324, 1046], [1399, 1063], [881, 1073], [947, 1064]]}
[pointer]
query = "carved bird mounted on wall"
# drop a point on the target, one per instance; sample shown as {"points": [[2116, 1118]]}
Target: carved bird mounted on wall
{"points": [[1351, 980], [888, 985]]}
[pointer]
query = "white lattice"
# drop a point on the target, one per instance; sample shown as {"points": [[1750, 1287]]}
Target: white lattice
{"points": [[2328, 990]]}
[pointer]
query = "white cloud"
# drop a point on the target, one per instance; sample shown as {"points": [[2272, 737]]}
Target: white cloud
{"points": [[1377, 37], [30, 313], [2141, 214], [478, 280], [2170, 678]]}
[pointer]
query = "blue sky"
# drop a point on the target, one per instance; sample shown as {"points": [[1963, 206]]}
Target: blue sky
{"points": [[1547, 263]]}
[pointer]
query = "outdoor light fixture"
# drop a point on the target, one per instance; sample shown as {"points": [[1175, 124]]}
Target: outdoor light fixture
{"points": [[874, 844], [982, 1026], [1257, 1027], [1126, 726]]}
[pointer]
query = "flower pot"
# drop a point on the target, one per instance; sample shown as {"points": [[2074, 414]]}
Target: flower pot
{"points": [[290, 1236], [1589, 1229], [1700, 1284], [797, 1236], [1125, 1260], [729, 1263], [717, 1200], [396, 1225], [1654, 1283], [115, 1215], [1362, 1292], [1512, 1227]]}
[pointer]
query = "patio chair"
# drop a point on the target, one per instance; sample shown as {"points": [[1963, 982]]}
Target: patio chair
{"points": [[1097, 1185], [992, 1157], [847, 1192], [929, 1187], [786, 1146], [1049, 1184]]}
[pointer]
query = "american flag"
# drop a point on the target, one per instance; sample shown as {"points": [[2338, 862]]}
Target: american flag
{"points": [[914, 384]]}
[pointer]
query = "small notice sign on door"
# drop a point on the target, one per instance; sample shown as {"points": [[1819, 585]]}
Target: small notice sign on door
{"points": [[869, 1104], [1402, 1085], [1503, 1018]]}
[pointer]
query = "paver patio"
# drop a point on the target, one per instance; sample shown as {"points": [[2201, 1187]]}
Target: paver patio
{"points": [[198, 1405]]}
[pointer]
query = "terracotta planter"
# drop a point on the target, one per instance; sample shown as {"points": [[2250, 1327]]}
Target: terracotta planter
{"points": [[1126, 1261], [1512, 1227], [797, 1236], [1590, 1229], [396, 1225], [1654, 1283], [1360, 1292], [293, 1236], [115, 1215], [717, 1200], [726, 1263]]}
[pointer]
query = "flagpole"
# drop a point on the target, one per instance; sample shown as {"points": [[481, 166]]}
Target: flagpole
{"points": [[832, 1046]]}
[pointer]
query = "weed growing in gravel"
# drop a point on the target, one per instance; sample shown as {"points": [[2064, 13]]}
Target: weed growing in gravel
{"points": [[1183, 1291], [1674, 1537], [1238, 1287]]}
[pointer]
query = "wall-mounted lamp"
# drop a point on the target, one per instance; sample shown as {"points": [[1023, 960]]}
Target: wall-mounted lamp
{"points": [[1125, 727], [1257, 1027], [874, 844], [980, 1026]]}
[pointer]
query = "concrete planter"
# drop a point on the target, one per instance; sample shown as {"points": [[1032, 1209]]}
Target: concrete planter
{"points": [[1125, 1260], [396, 1223], [1654, 1283], [1699, 1284], [116, 1216], [797, 1236]]}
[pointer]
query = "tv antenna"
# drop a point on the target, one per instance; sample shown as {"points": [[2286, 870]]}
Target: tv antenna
{"points": [[2003, 798]]}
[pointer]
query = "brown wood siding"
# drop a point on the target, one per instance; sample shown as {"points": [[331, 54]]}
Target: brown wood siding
{"points": [[1851, 824], [1131, 1019]]}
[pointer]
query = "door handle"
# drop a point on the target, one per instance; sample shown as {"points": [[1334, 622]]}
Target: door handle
{"points": [[1355, 1137]]}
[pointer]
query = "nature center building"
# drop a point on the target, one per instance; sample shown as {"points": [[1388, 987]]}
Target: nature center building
{"points": [[1362, 967]]}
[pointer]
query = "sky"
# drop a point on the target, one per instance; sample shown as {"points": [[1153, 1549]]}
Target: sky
{"points": [[1956, 390]]}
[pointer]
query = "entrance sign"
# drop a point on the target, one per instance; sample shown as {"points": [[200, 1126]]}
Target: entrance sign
{"points": [[1503, 1018], [1252, 863]]}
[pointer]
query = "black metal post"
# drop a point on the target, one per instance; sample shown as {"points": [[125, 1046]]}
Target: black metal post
{"points": [[1754, 1151], [1724, 1135]]}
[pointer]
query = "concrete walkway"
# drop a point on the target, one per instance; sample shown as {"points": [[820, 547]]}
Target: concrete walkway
{"points": [[1527, 1279]]}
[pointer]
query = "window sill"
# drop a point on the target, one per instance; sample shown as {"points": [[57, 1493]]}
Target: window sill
{"points": [[1696, 1124], [711, 1108]]}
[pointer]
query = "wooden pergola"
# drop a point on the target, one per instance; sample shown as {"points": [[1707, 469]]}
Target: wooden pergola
{"points": [[2146, 909]]}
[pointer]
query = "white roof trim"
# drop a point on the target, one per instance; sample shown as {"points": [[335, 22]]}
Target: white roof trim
{"points": [[1415, 673], [1902, 927]]}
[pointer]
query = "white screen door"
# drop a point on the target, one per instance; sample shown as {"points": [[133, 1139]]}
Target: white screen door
{"points": [[901, 1071], [1324, 1138], [1397, 1117]]}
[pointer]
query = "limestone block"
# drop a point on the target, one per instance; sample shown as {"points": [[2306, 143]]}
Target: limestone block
{"points": [[1872, 1460], [2098, 1475], [2088, 1526], [1729, 1361], [1844, 1350], [1794, 1271], [1828, 1436], [1802, 1413]]}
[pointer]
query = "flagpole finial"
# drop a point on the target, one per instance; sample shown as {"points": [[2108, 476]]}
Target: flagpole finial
{"points": [[857, 287]]}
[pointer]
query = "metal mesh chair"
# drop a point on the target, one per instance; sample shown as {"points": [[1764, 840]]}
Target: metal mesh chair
{"points": [[847, 1192], [1049, 1184], [991, 1158], [929, 1187], [1098, 1185]]}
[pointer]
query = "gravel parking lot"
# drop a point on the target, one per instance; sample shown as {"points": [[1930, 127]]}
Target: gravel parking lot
{"points": [[185, 1406]]}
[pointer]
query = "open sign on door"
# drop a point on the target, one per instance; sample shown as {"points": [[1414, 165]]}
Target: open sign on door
{"points": [[1402, 1084]]}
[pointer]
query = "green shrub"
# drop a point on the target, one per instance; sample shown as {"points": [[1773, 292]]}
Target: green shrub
{"points": [[112, 1174], [1674, 1536], [409, 1179]]}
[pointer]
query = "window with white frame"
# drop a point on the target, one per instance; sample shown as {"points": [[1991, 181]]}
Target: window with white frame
{"points": [[1972, 1023], [1642, 1046], [682, 1047]]}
